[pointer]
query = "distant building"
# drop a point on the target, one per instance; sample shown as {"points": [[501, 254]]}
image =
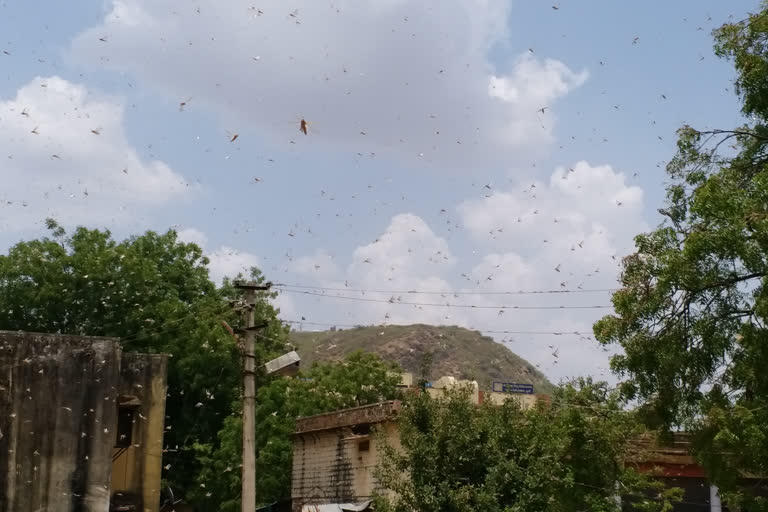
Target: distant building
{"points": [[81, 424], [438, 388], [673, 464]]}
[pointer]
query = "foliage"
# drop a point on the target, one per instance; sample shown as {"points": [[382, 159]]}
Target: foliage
{"points": [[360, 379], [154, 292], [425, 369], [566, 455], [692, 309], [463, 353]]}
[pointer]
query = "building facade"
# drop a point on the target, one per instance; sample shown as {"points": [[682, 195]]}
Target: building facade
{"points": [[335, 455], [81, 424]]}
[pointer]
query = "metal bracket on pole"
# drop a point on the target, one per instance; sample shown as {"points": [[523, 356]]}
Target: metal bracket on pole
{"points": [[252, 285]]}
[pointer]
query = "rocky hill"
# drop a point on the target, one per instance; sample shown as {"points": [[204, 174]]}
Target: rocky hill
{"points": [[455, 351]]}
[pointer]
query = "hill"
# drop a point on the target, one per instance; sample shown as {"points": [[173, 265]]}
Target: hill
{"points": [[456, 351]]}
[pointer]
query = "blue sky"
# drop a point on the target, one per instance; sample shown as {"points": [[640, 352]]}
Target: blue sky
{"points": [[425, 136]]}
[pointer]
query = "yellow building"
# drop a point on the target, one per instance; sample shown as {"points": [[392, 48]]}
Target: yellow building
{"points": [[335, 454], [138, 452]]}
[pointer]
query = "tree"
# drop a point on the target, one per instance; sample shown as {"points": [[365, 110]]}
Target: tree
{"points": [[154, 292], [361, 379], [570, 454], [691, 313]]}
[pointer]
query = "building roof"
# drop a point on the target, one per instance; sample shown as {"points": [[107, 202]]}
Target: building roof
{"points": [[374, 413], [649, 448]]}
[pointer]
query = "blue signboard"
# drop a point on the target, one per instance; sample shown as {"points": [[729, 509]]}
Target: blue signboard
{"points": [[513, 387]]}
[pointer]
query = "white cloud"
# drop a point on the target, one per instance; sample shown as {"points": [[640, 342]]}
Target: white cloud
{"points": [[408, 244], [408, 255], [66, 155], [537, 81], [228, 262], [531, 88], [582, 214], [412, 75], [411, 78], [286, 306], [225, 261], [320, 265], [586, 233], [193, 236]]}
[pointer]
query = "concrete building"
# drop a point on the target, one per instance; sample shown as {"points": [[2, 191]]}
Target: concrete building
{"points": [[334, 457], [81, 424]]}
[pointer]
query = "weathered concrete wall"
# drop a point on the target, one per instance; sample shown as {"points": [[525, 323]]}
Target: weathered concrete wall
{"points": [[57, 417], [137, 470], [322, 469], [335, 454], [356, 416]]}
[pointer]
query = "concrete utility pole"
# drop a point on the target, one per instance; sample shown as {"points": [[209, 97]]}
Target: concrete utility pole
{"points": [[249, 393]]}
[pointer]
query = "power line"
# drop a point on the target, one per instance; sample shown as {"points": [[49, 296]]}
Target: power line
{"points": [[353, 326], [448, 292], [598, 409], [224, 307], [435, 304]]}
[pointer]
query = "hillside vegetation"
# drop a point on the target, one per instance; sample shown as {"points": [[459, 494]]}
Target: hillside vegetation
{"points": [[455, 351]]}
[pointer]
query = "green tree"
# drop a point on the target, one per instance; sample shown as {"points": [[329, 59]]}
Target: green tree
{"points": [[361, 379], [570, 454], [155, 293], [691, 313]]}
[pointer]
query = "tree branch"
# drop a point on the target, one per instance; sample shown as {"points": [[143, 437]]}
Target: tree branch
{"points": [[732, 133], [729, 282]]}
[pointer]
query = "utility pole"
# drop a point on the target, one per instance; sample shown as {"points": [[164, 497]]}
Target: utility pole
{"points": [[249, 393]]}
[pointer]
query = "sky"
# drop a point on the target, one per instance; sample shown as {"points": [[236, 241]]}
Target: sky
{"points": [[482, 163]]}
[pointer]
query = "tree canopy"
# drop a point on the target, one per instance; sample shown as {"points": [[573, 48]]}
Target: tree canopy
{"points": [[154, 292], [361, 379], [570, 454], [691, 313]]}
